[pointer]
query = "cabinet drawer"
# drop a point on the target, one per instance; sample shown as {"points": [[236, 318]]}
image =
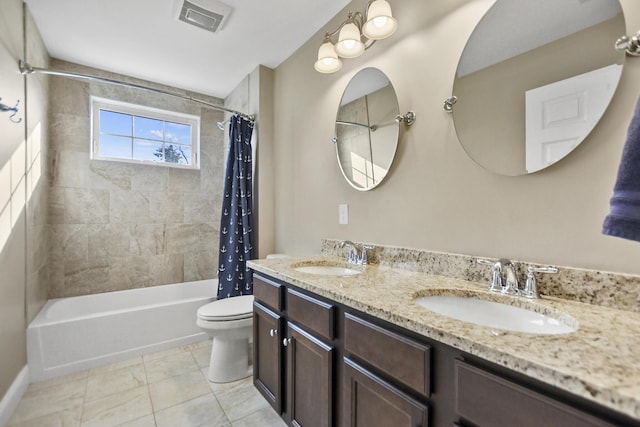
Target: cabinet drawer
{"points": [[311, 313], [369, 401], [401, 358], [268, 292], [485, 399]]}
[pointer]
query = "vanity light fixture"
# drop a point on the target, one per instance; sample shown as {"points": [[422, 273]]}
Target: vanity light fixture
{"points": [[377, 23]]}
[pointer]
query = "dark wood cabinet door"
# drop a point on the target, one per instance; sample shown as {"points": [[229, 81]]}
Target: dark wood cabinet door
{"points": [[485, 399], [310, 375], [267, 354], [369, 401]]}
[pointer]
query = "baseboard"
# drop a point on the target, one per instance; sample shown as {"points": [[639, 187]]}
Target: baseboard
{"points": [[12, 397]]}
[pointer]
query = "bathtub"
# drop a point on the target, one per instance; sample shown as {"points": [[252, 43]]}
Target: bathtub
{"points": [[78, 333]]}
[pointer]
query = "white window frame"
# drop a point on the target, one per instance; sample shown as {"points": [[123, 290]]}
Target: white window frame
{"points": [[98, 104]]}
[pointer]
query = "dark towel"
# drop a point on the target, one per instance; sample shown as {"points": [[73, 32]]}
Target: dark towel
{"points": [[624, 218]]}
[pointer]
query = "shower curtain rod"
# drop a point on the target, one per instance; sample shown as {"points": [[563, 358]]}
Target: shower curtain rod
{"points": [[27, 69]]}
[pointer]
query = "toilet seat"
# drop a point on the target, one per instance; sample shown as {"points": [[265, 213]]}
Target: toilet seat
{"points": [[228, 309]]}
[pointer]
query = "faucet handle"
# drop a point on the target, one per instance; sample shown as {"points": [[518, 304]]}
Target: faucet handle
{"points": [[496, 274], [531, 286]]}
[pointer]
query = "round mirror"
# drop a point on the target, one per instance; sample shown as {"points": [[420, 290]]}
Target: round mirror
{"points": [[366, 129], [534, 79]]}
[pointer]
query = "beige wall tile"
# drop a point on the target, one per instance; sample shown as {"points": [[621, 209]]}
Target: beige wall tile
{"points": [[182, 238], [157, 214], [200, 265], [148, 239], [166, 207], [86, 277], [150, 178], [128, 207], [86, 206], [199, 209], [129, 273], [184, 180], [166, 269], [108, 240], [111, 175], [69, 132]]}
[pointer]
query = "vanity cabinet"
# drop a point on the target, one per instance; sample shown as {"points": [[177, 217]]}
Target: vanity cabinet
{"points": [[330, 365], [370, 401], [267, 357], [485, 399], [296, 372], [267, 332], [377, 361], [310, 379]]}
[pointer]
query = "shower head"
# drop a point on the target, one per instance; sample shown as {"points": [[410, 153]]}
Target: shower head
{"points": [[221, 124]]}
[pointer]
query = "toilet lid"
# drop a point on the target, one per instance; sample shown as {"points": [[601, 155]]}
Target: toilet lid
{"points": [[233, 308]]}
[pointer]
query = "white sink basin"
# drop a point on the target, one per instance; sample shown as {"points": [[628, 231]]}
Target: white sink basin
{"points": [[327, 270], [494, 315]]}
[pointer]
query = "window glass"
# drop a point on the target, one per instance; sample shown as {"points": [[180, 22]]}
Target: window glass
{"points": [[128, 132]]}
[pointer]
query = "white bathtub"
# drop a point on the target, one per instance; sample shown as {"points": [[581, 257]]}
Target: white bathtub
{"points": [[77, 333]]}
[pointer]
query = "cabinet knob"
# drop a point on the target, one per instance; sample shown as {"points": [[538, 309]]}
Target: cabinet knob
{"points": [[286, 341], [273, 332]]}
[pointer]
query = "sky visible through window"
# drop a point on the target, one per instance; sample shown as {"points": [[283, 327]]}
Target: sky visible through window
{"points": [[129, 136]]}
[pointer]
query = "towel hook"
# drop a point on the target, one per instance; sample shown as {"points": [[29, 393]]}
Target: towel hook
{"points": [[5, 108]]}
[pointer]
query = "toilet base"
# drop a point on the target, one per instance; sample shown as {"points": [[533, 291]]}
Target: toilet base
{"points": [[229, 360]]}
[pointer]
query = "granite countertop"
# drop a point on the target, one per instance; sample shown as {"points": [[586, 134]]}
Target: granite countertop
{"points": [[600, 361]]}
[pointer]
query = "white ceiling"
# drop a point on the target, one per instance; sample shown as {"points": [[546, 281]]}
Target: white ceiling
{"points": [[143, 38]]}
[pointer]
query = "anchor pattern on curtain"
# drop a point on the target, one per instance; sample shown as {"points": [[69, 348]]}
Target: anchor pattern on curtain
{"points": [[236, 224]]}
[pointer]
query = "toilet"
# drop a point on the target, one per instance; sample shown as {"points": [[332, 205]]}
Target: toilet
{"points": [[230, 322]]}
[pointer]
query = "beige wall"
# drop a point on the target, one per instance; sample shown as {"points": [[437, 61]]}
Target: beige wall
{"points": [[436, 197], [254, 95], [23, 230], [121, 226]]}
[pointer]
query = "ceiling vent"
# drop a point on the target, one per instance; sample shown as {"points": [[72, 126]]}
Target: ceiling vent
{"points": [[206, 14]]}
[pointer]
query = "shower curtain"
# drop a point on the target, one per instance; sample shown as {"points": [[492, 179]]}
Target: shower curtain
{"points": [[236, 224]]}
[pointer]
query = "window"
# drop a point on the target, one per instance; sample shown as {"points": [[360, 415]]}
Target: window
{"points": [[136, 134]]}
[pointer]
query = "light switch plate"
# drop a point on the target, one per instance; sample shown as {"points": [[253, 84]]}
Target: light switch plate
{"points": [[343, 214]]}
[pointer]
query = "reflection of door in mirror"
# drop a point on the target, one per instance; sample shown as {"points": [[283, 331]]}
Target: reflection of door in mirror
{"points": [[366, 130], [561, 114], [518, 46]]}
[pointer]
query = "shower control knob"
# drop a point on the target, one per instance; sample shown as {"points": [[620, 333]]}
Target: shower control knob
{"points": [[286, 341], [273, 332]]}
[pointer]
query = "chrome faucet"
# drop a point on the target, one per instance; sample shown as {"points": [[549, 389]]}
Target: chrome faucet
{"points": [[357, 253], [503, 276], [505, 280], [352, 257], [511, 286]]}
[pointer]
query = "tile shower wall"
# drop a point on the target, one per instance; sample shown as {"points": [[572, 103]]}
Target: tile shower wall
{"points": [[118, 226], [38, 229]]}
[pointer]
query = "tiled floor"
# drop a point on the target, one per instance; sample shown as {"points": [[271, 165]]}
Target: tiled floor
{"points": [[166, 389]]}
